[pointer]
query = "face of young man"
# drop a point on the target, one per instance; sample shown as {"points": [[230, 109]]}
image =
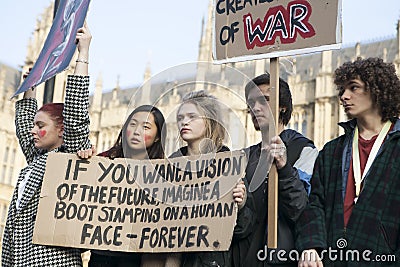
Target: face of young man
{"points": [[258, 102], [356, 100]]}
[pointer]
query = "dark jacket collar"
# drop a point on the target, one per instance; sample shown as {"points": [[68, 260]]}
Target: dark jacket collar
{"points": [[350, 125]]}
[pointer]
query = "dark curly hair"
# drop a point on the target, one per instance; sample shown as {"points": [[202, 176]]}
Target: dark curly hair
{"points": [[380, 80]]}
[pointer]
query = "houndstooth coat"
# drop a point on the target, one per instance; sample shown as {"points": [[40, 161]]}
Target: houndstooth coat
{"points": [[18, 249]]}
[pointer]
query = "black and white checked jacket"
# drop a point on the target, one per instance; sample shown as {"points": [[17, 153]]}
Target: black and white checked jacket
{"points": [[18, 249]]}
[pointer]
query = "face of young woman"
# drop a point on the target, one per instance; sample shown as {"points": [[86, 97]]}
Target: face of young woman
{"points": [[141, 132], [356, 100], [191, 124], [46, 133]]}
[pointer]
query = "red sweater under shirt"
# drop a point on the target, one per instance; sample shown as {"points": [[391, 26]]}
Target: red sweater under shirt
{"points": [[364, 147]]}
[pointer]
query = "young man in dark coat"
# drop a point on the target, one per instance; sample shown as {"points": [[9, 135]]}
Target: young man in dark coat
{"points": [[353, 217], [294, 156]]}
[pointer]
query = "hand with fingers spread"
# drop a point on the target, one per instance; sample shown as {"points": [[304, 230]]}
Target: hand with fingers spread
{"points": [[239, 194]]}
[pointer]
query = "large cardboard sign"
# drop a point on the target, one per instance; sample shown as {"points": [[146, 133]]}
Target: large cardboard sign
{"points": [[250, 29], [180, 204], [59, 46]]}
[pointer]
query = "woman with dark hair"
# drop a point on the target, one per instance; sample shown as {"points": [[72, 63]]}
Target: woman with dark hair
{"points": [[141, 137], [55, 127], [152, 119]]}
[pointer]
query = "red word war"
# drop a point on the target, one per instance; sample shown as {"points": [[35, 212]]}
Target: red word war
{"points": [[285, 23]]}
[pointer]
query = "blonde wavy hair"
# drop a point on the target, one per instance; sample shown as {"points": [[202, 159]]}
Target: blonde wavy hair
{"points": [[209, 107]]}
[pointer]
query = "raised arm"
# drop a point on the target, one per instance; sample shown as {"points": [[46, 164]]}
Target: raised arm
{"points": [[76, 107], [25, 110], [83, 38]]}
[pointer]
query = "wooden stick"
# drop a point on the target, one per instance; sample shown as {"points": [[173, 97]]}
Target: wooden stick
{"points": [[273, 174]]}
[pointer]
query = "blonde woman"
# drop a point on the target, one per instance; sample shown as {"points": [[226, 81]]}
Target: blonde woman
{"points": [[199, 123]]}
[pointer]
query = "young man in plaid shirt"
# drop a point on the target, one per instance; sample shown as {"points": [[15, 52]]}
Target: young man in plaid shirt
{"points": [[354, 204]]}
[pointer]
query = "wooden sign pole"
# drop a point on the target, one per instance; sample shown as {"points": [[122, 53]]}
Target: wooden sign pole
{"points": [[273, 174]]}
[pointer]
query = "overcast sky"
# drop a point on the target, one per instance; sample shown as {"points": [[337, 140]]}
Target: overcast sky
{"points": [[129, 34]]}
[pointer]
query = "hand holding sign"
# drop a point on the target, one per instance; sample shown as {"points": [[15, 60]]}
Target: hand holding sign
{"points": [[277, 150], [83, 38]]}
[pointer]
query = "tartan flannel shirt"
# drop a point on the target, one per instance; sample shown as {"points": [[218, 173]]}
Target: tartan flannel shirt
{"points": [[375, 220]]}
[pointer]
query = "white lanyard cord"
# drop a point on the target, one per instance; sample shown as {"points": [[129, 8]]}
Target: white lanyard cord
{"points": [[374, 151]]}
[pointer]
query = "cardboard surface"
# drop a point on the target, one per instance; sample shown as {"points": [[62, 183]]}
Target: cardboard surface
{"points": [[270, 28], [180, 204]]}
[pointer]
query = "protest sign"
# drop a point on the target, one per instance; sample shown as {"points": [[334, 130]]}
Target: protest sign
{"points": [[59, 46], [179, 204], [251, 29]]}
